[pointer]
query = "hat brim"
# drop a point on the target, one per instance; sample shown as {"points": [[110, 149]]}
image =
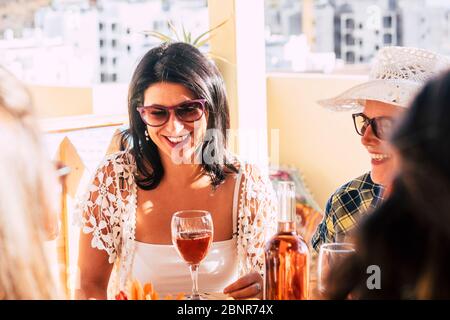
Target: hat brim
{"points": [[395, 92]]}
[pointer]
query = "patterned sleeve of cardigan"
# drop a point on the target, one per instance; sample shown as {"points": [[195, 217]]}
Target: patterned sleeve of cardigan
{"points": [[257, 219], [99, 211]]}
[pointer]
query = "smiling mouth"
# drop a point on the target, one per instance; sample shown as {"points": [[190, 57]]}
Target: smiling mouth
{"points": [[175, 140], [378, 158]]}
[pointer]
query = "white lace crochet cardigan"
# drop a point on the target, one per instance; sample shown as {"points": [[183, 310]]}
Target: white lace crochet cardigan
{"points": [[108, 212]]}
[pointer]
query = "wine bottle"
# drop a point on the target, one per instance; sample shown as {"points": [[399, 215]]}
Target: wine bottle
{"points": [[286, 254]]}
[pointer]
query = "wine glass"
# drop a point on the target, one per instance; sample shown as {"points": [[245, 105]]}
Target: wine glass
{"points": [[330, 256], [192, 235]]}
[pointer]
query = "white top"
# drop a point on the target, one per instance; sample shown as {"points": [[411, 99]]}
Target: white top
{"points": [[162, 266], [108, 212]]}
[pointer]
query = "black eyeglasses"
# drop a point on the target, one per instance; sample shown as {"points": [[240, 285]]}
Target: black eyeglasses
{"points": [[381, 126], [186, 111]]}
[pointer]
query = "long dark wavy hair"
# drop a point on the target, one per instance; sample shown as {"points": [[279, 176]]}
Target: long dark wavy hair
{"points": [[408, 236], [183, 64]]}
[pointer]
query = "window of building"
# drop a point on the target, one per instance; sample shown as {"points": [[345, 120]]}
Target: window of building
{"points": [[349, 40], [128, 48], [113, 43], [100, 26], [387, 38], [102, 77], [114, 77], [113, 27], [387, 22], [114, 60], [102, 43], [102, 60], [350, 57], [350, 24]]}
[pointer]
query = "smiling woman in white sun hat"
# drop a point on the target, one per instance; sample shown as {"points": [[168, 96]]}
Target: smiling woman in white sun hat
{"points": [[396, 76]]}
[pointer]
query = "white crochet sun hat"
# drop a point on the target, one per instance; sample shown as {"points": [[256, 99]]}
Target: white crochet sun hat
{"points": [[396, 75]]}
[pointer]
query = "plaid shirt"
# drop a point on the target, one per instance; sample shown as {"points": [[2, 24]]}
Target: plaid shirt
{"points": [[345, 207]]}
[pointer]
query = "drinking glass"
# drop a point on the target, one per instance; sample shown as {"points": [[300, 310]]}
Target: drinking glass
{"points": [[330, 256], [192, 235]]}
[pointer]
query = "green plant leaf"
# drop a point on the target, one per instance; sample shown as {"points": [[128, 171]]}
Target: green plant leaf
{"points": [[217, 57], [159, 36], [203, 42], [173, 29], [186, 35], [199, 38], [200, 41]]}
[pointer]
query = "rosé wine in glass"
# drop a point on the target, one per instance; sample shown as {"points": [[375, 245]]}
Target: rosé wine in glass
{"points": [[192, 235]]}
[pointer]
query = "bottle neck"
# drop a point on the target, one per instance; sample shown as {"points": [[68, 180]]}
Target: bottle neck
{"points": [[286, 207], [286, 227], [286, 211]]}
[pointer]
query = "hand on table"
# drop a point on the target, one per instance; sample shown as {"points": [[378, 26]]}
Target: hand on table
{"points": [[246, 287]]}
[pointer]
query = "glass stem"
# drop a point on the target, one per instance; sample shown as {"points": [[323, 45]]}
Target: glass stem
{"points": [[194, 276]]}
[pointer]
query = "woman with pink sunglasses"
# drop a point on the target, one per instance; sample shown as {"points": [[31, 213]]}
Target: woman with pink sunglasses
{"points": [[175, 159]]}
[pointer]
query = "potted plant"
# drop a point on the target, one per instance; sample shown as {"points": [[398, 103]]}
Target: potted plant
{"points": [[187, 37]]}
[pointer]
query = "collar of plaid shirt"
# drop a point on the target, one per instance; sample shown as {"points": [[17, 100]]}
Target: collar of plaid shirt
{"points": [[345, 207]]}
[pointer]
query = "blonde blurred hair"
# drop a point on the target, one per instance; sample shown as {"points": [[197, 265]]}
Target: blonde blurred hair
{"points": [[25, 203]]}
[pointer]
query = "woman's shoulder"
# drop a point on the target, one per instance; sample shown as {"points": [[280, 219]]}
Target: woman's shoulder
{"points": [[255, 182], [350, 196], [118, 162], [112, 180], [252, 171], [241, 165], [245, 173], [122, 157], [354, 188]]}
